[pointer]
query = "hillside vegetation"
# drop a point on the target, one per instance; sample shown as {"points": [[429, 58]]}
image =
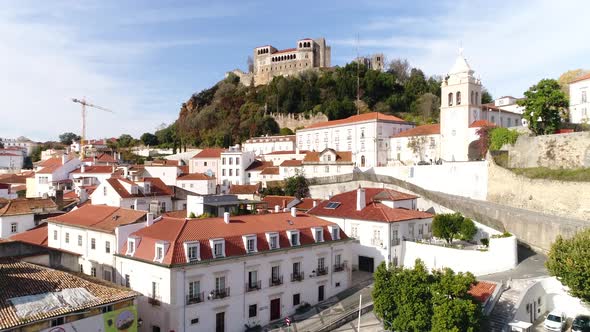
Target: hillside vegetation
{"points": [[229, 112]]}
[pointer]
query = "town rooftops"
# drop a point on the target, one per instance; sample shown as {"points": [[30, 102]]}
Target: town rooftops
{"points": [[244, 189], [291, 163], [274, 200], [341, 156], [481, 123], [424, 130], [21, 206], [157, 187], [94, 170], [177, 231], [19, 279], [101, 158], [162, 162], [258, 165], [482, 291], [36, 235], [100, 217], [273, 170], [16, 178], [372, 116], [345, 206], [195, 177], [209, 153], [581, 78]]}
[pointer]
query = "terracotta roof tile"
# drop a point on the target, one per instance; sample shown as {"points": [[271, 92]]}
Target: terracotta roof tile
{"points": [[274, 200], [20, 206], [176, 231], [36, 235], [56, 161], [373, 116], [374, 209], [258, 165], [292, 163], [195, 177], [481, 123], [429, 129], [19, 278], [209, 153], [307, 203], [273, 170], [482, 290], [581, 78], [157, 187], [94, 170], [341, 156], [245, 189], [100, 217]]}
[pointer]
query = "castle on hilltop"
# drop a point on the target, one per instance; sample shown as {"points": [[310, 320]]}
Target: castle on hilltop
{"points": [[268, 62]]}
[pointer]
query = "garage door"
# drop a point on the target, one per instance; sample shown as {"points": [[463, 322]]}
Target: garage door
{"points": [[366, 263]]}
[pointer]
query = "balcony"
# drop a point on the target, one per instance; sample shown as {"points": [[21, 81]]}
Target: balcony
{"points": [[195, 298], [277, 281], [321, 271], [219, 293], [340, 267], [253, 286], [154, 300], [297, 276], [377, 242]]}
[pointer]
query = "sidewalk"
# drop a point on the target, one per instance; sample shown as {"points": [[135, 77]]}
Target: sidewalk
{"points": [[328, 311]]}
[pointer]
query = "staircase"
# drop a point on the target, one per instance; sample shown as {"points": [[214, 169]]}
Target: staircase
{"points": [[505, 308]]}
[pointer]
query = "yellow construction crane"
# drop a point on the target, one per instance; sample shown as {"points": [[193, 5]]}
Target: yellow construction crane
{"points": [[84, 103]]}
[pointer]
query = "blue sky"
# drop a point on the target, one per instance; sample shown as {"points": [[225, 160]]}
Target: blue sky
{"points": [[142, 59]]}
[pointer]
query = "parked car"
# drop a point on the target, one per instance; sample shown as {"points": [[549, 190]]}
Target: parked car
{"points": [[555, 321], [581, 324]]}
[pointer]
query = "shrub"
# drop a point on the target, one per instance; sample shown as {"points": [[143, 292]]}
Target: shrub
{"points": [[485, 241], [499, 236], [468, 229], [501, 136], [192, 215]]}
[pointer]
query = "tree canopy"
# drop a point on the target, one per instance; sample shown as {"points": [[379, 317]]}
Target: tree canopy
{"points": [[297, 186], [416, 300], [449, 226], [568, 261], [125, 141], [68, 138], [149, 139], [545, 106]]}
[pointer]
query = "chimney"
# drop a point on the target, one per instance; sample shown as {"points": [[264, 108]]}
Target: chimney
{"points": [[315, 203], [64, 158], [277, 209], [293, 212], [149, 219], [59, 198], [226, 217], [83, 196], [284, 203], [360, 199], [82, 168]]}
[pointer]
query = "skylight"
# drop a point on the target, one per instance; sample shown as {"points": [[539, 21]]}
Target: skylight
{"points": [[332, 205]]}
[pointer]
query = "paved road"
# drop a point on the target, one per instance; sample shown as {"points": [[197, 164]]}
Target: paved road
{"points": [[369, 323], [531, 265]]}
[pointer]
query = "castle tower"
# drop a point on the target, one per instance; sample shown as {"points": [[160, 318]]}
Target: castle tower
{"points": [[460, 107]]}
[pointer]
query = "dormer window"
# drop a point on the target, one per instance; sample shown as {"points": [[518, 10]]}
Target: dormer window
{"points": [[250, 243], [218, 248], [130, 247], [147, 187], [294, 238], [318, 234], [134, 190], [191, 251], [335, 232], [273, 241], [159, 252]]}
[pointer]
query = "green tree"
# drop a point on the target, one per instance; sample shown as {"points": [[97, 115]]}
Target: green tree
{"points": [[486, 97], [447, 226], [149, 139], [499, 136], [286, 131], [297, 186], [468, 229], [36, 153], [68, 138], [545, 105], [568, 261], [125, 141]]}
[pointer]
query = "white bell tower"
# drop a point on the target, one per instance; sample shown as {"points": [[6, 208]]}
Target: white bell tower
{"points": [[460, 107]]}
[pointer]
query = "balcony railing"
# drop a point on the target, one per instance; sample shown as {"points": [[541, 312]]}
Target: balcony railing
{"points": [[395, 242], [253, 286], [154, 300], [219, 293], [340, 267], [195, 298], [298, 276], [276, 281], [320, 271]]}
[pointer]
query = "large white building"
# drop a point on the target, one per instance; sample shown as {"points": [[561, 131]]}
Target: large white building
{"points": [[21, 143], [51, 175], [579, 101], [148, 194], [197, 183], [96, 233], [18, 215], [207, 161], [11, 160], [268, 144], [220, 274], [234, 163], [379, 219], [366, 136]]}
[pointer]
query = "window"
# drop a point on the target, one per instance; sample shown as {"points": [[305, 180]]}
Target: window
{"points": [[67, 237], [319, 235], [58, 321], [231, 160], [237, 172], [252, 310], [194, 321], [43, 180], [362, 132], [80, 240], [273, 241], [458, 97], [204, 163], [335, 233], [13, 227], [275, 273], [155, 290], [237, 161], [220, 284], [394, 237], [107, 247], [104, 191], [583, 97], [130, 246], [332, 205], [159, 252], [55, 235], [107, 275], [162, 207], [193, 252], [294, 238], [81, 268], [93, 243], [354, 229], [327, 169], [251, 244], [93, 271], [194, 290], [127, 281], [223, 161], [218, 249], [296, 299], [321, 263], [223, 172], [450, 99]]}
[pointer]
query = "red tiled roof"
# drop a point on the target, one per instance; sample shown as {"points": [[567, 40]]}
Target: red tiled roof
{"points": [[307, 203], [481, 123], [374, 209], [274, 200], [258, 165], [581, 78], [245, 189], [209, 153], [291, 163], [56, 161], [94, 169], [100, 217], [4, 186], [16, 178], [20, 206], [157, 187], [184, 169], [341, 156], [195, 177], [176, 231], [287, 152], [120, 189], [429, 129], [482, 291], [163, 162], [273, 170], [357, 118], [103, 158], [6, 154], [285, 50], [36, 235]]}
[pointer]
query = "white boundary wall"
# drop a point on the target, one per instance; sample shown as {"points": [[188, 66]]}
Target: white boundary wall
{"points": [[467, 179]]}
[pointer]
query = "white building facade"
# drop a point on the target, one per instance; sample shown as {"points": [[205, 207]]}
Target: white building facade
{"points": [[268, 144], [234, 163], [580, 100]]}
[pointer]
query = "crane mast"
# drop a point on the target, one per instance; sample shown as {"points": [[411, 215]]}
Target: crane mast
{"points": [[84, 103]]}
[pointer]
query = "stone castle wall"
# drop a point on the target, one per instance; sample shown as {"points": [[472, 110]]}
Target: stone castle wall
{"points": [[293, 121], [554, 151]]}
